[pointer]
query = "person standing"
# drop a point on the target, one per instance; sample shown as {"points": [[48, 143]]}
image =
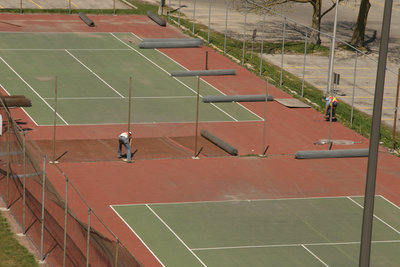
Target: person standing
{"points": [[331, 103], [125, 139]]}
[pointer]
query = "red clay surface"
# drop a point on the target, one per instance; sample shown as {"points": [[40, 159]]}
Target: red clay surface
{"points": [[155, 178]]}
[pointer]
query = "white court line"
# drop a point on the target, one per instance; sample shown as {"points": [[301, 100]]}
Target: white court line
{"points": [[94, 73], [203, 81], [169, 228], [315, 255], [62, 49], [141, 240], [388, 225], [27, 114], [389, 201], [295, 245], [19, 76], [169, 74], [111, 97]]}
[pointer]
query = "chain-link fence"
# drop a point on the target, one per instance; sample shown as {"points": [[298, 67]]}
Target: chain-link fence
{"points": [[46, 216]]}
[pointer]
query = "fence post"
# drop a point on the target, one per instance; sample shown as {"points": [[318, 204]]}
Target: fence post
{"points": [[24, 183], [69, 6], [226, 25], [8, 161], [194, 13], [114, 7], [55, 122], [262, 44], [395, 109], [304, 63], [20, 7], [209, 20], [88, 238], [179, 13], [244, 32], [354, 86], [42, 219], [116, 252], [283, 49], [265, 116], [65, 221]]}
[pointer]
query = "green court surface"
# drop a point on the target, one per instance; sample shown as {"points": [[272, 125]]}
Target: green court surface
{"points": [[93, 71], [282, 232]]}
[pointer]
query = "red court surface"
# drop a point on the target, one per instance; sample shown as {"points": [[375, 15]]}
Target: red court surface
{"points": [[171, 178]]}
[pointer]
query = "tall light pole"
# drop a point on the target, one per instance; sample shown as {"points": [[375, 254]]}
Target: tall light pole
{"points": [[332, 51]]}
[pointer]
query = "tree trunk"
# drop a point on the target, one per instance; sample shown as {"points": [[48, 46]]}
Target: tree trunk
{"points": [[359, 31], [315, 37]]}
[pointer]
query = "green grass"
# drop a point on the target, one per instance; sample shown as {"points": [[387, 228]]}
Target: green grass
{"points": [[12, 253]]}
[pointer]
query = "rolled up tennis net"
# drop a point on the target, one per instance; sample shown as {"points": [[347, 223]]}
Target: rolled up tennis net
{"points": [[171, 43], [188, 73], [219, 142], [340, 153]]}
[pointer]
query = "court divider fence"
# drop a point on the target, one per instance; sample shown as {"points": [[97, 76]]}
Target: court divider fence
{"points": [[61, 225]]}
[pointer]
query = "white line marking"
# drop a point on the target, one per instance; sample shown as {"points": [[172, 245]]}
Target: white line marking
{"points": [[111, 97], [295, 245], [62, 49], [27, 114], [389, 201], [315, 255], [203, 81], [388, 225], [94, 73], [169, 228], [137, 235], [237, 200], [169, 74], [19, 76]]}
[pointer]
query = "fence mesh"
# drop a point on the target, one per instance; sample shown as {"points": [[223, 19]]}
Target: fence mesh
{"points": [[45, 215]]}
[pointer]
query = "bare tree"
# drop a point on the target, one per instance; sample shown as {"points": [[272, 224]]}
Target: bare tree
{"points": [[359, 30]]}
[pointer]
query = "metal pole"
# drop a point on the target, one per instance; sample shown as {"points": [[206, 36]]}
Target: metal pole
{"points": [[244, 32], [395, 109], [226, 25], [265, 116], [262, 44], [55, 122], [283, 49], [194, 13], [354, 88], [197, 117], [332, 51], [209, 20], [69, 6], [129, 108], [65, 221], [368, 211], [179, 13], [116, 253], [8, 160], [169, 9], [206, 60], [24, 183], [114, 7], [20, 10], [304, 64], [88, 238], [42, 219]]}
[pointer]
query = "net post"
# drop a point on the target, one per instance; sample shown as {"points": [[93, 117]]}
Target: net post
{"points": [[265, 117], [42, 218], [197, 119], [129, 105], [206, 60], [88, 238], [395, 109], [65, 221], [116, 252], [55, 122]]}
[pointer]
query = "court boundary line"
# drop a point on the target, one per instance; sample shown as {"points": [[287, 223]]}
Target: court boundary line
{"points": [[381, 220], [303, 246], [179, 64], [177, 236], [95, 74], [185, 85], [26, 113], [141, 240], [235, 200], [119, 98], [19, 76]]}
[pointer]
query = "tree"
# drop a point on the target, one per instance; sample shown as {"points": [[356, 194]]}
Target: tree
{"points": [[315, 37], [359, 30]]}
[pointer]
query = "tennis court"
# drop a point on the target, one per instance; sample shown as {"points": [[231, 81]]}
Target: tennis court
{"points": [[93, 72], [280, 232]]}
